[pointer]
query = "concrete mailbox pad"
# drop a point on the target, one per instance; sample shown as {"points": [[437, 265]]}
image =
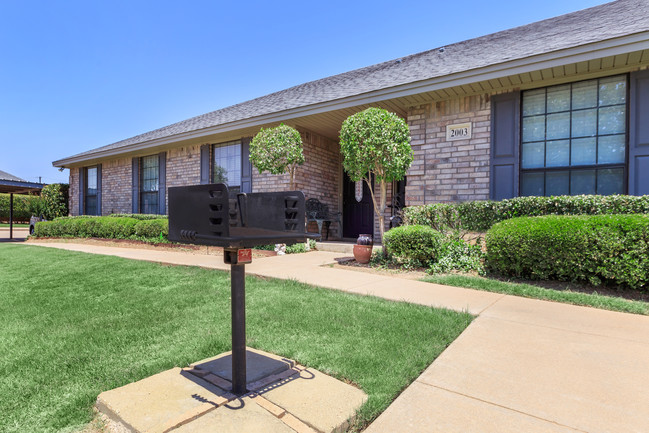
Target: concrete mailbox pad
{"points": [[282, 397]]}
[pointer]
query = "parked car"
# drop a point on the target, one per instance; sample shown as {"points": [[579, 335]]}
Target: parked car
{"points": [[32, 223]]}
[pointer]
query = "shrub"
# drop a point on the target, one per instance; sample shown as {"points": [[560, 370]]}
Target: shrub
{"points": [[54, 201], [152, 228], [24, 207], [106, 227], [458, 255], [416, 244], [139, 216], [613, 249], [481, 215]]}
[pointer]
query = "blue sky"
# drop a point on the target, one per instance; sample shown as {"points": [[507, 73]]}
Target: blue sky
{"points": [[75, 75]]}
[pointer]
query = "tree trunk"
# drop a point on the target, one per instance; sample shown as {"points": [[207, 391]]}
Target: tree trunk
{"points": [[381, 216], [292, 184]]}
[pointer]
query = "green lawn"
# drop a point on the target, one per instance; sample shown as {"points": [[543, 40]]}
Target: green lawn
{"points": [[73, 325], [531, 291], [16, 225]]}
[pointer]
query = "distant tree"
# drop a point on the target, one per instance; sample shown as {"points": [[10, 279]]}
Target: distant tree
{"points": [[375, 143], [277, 150]]}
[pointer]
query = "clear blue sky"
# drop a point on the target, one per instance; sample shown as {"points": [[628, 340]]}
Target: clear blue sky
{"points": [[75, 75]]}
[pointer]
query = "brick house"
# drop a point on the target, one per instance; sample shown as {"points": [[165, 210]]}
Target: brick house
{"points": [[554, 107]]}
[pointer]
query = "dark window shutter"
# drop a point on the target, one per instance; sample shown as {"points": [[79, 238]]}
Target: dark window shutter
{"points": [[505, 144], [639, 133], [162, 183], [205, 164], [98, 189], [246, 166], [135, 185], [82, 190]]}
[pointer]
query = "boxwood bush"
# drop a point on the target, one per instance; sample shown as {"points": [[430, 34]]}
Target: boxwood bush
{"points": [[107, 227], [481, 215], [416, 244], [611, 249]]}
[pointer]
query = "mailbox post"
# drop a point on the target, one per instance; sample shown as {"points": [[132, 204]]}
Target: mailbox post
{"points": [[211, 215]]}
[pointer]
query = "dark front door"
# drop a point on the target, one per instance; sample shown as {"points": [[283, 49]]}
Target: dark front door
{"points": [[358, 217]]}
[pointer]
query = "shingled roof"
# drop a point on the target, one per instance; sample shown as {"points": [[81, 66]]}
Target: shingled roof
{"points": [[596, 24], [6, 176]]}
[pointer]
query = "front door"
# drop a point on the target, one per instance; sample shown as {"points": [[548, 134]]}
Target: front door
{"points": [[358, 217]]}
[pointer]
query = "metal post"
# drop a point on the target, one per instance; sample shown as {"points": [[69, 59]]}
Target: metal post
{"points": [[11, 216], [238, 296]]}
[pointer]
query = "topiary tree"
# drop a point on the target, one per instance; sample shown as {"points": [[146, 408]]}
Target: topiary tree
{"points": [[376, 143], [277, 150]]}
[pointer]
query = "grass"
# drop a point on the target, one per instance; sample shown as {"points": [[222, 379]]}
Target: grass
{"points": [[74, 325], [16, 225], [531, 291]]}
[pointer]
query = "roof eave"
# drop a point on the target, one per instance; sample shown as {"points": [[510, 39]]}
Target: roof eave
{"points": [[609, 47]]}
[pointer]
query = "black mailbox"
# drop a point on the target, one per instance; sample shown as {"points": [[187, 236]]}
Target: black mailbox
{"points": [[211, 215]]}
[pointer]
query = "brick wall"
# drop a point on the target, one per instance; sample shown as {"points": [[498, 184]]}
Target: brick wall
{"points": [[73, 199], [449, 170], [116, 186], [319, 177], [183, 167]]}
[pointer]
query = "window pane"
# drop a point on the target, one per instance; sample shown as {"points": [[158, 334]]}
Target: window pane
{"points": [[557, 153], [612, 91], [582, 182], [558, 126], [532, 184], [92, 179], [534, 128], [533, 155], [584, 95], [534, 102], [227, 164], [557, 183], [611, 149], [610, 181], [612, 120], [91, 205], [583, 151], [149, 202], [558, 98], [584, 123]]}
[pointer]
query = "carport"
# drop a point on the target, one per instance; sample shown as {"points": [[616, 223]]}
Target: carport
{"points": [[10, 184]]}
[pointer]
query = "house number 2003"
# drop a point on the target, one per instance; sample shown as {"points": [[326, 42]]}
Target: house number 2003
{"points": [[460, 131]]}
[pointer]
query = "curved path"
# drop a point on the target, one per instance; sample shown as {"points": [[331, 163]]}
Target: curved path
{"points": [[523, 365]]}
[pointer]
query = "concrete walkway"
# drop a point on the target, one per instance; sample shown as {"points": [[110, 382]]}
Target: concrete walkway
{"points": [[522, 366]]}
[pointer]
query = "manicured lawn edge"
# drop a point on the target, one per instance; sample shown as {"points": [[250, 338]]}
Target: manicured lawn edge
{"points": [[531, 291], [69, 332]]}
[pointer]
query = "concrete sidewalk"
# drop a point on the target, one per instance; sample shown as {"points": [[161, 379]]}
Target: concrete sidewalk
{"points": [[522, 366]]}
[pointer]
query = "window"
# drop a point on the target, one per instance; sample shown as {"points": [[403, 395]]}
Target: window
{"points": [[574, 138], [227, 165], [149, 184], [90, 193]]}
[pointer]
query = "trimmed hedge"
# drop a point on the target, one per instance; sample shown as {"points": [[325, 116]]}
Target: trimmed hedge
{"points": [[414, 243], [139, 216], [24, 207], [481, 215], [611, 249], [107, 227]]}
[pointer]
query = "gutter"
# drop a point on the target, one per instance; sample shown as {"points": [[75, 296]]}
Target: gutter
{"points": [[610, 47]]}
